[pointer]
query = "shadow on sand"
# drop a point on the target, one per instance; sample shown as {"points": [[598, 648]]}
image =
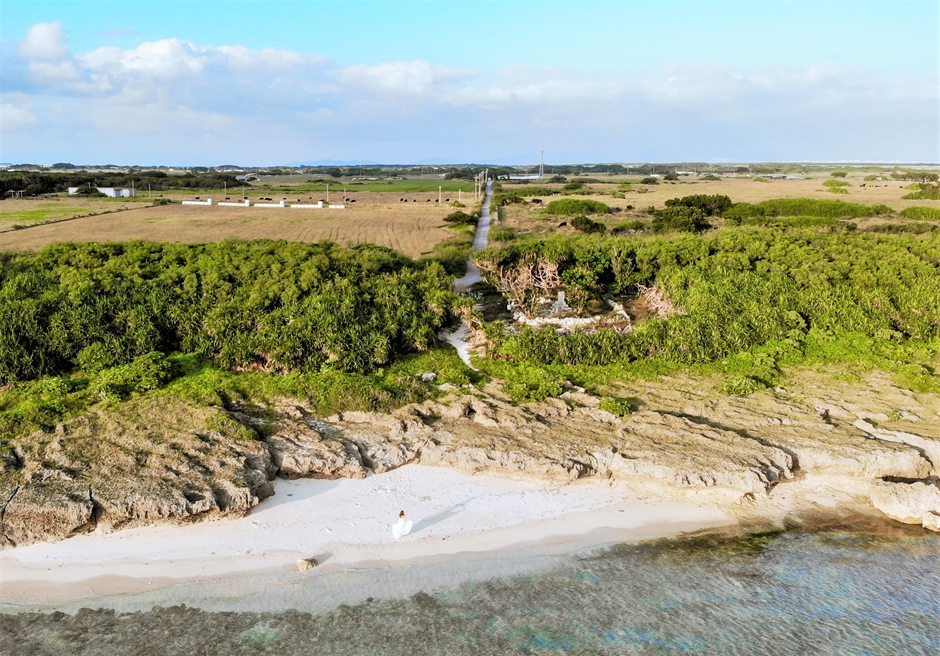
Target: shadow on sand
{"points": [[447, 513]]}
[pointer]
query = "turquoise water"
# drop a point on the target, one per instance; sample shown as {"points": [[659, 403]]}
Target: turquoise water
{"points": [[794, 593]]}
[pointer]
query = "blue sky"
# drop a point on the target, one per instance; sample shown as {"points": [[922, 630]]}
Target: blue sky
{"points": [[258, 83]]}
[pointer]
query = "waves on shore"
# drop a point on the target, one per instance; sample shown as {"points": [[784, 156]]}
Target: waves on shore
{"points": [[797, 592]]}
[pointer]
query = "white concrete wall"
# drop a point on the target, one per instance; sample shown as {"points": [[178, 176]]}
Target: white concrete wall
{"points": [[244, 203], [281, 204], [309, 207], [208, 201]]}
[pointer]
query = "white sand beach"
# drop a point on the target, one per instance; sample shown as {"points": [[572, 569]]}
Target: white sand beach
{"points": [[346, 526]]}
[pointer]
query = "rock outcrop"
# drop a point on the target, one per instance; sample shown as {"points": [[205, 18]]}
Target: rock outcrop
{"points": [[916, 502], [878, 444]]}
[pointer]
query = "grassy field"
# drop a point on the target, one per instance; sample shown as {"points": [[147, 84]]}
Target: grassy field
{"points": [[412, 227], [30, 211]]}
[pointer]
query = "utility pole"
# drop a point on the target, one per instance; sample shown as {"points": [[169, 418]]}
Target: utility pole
{"points": [[439, 196], [327, 193], [542, 166]]}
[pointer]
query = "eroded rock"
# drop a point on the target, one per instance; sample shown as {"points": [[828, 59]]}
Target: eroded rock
{"points": [[917, 502]]}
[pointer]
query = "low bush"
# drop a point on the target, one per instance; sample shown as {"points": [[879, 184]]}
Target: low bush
{"points": [[836, 183], [502, 234], [802, 207], [921, 213], [711, 205], [742, 385], [616, 407], [461, 218], [680, 219], [837, 190], [927, 192], [586, 225], [576, 206], [629, 226], [649, 181]]}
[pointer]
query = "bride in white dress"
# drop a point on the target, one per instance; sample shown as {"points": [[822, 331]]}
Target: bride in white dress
{"points": [[402, 527]]}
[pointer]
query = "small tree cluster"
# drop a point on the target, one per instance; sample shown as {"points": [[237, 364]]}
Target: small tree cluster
{"points": [[711, 205], [680, 219]]}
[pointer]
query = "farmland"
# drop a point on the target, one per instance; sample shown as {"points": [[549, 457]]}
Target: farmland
{"points": [[412, 227]]}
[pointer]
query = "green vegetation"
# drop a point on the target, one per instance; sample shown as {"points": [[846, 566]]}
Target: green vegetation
{"points": [[837, 190], [834, 183], [617, 407], [274, 306], [713, 205], [502, 234], [46, 183], [461, 218], [927, 192], [838, 174], [158, 380], [576, 206], [861, 297], [921, 213], [802, 207], [586, 225], [528, 192], [680, 218]]}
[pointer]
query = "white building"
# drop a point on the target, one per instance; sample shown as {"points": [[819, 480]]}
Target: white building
{"points": [[110, 192]]}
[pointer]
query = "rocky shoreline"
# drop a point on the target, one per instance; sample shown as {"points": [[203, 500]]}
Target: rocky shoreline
{"points": [[771, 455]]}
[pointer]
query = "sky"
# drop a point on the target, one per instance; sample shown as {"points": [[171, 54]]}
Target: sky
{"points": [[213, 82]]}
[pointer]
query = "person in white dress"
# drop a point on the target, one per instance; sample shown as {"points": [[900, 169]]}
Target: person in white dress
{"points": [[402, 527]]}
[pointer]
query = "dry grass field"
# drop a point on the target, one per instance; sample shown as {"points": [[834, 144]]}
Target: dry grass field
{"points": [[412, 227], [529, 218], [410, 222], [748, 190]]}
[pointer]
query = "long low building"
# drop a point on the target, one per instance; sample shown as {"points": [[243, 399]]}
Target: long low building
{"points": [[110, 192]]}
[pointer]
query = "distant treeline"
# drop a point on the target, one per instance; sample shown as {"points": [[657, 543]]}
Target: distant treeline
{"points": [[35, 184], [277, 306]]}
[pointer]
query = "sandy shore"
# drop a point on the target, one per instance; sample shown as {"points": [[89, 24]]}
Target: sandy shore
{"points": [[346, 526]]}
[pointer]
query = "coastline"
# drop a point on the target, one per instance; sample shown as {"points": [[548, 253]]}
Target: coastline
{"points": [[461, 522]]}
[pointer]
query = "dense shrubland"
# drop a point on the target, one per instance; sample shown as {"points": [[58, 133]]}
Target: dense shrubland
{"points": [[802, 207], [756, 298], [273, 306], [576, 206]]}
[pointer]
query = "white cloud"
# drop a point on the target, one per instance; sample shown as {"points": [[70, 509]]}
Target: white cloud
{"points": [[44, 42], [220, 96], [50, 73], [414, 78], [16, 112]]}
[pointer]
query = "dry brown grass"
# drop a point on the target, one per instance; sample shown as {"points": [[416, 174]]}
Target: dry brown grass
{"points": [[529, 218], [412, 228], [748, 190]]}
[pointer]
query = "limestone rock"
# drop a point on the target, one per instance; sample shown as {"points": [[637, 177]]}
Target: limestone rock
{"points": [[301, 452], [305, 564], [48, 511], [911, 503]]}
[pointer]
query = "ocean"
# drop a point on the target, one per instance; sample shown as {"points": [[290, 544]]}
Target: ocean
{"points": [[824, 592]]}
